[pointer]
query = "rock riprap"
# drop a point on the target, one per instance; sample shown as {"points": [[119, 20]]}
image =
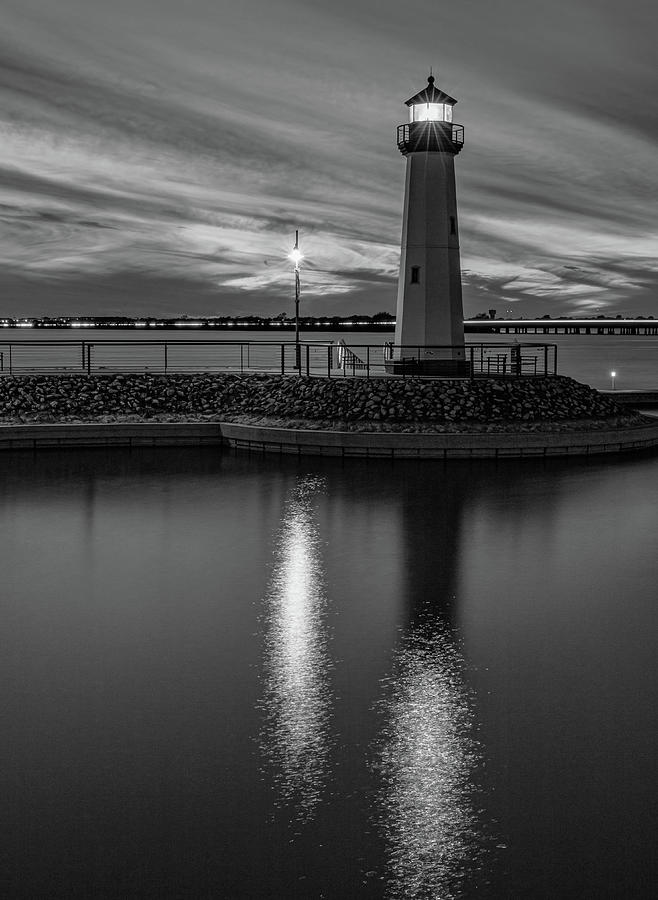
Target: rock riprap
{"points": [[345, 403]]}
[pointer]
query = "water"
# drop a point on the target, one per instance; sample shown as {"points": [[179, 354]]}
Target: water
{"points": [[249, 677], [587, 358]]}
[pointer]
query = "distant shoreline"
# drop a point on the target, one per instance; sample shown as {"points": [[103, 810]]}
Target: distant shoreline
{"points": [[232, 325], [383, 323]]}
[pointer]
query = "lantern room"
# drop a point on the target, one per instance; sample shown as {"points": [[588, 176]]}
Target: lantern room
{"points": [[430, 104], [431, 127]]}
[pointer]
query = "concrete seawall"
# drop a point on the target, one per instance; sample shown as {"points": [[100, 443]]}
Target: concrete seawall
{"points": [[439, 446], [113, 434], [391, 445]]}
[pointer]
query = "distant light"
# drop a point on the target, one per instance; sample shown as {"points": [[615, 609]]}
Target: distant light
{"points": [[295, 256], [613, 374]]}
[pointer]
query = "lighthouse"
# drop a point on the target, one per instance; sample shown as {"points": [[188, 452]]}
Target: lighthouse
{"points": [[429, 332]]}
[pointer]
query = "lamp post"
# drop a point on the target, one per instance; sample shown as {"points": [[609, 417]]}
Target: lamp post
{"points": [[296, 257], [613, 375]]}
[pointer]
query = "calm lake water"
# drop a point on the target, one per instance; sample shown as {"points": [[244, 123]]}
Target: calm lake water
{"points": [[587, 358], [231, 676]]}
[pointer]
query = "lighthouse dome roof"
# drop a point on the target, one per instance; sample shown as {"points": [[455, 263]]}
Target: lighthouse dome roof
{"points": [[430, 94]]}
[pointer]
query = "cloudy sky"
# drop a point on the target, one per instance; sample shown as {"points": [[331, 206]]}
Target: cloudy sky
{"points": [[156, 156]]}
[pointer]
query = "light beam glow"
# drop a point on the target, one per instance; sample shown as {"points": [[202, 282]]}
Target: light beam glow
{"points": [[296, 700], [428, 757]]}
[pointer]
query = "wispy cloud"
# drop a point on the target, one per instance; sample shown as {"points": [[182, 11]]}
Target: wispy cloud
{"points": [[155, 140]]}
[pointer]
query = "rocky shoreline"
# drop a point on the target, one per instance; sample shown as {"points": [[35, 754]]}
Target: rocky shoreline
{"points": [[343, 404]]}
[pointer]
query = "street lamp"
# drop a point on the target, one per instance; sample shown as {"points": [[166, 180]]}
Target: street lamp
{"points": [[613, 375], [296, 257]]}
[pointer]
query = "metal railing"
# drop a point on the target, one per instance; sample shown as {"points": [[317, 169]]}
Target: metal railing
{"points": [[469, 361], [316, 358], [430, 136]]}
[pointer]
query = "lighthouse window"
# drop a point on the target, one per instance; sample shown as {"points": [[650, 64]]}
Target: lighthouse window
{"points": [[415, 275], [431, 112], [428, 112]]}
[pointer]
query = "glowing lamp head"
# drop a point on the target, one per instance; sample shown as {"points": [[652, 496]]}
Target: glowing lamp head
{"points": [[613, 374], [295, 256], [430, 104], [430, 112]]}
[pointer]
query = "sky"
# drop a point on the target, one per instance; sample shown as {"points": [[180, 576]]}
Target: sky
{"points": [[156, 156]]}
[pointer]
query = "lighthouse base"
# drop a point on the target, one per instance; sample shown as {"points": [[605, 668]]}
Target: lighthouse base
{"points": [[446, 368]]}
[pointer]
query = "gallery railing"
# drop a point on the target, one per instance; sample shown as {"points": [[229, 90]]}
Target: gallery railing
{"points": [[313, 358]]}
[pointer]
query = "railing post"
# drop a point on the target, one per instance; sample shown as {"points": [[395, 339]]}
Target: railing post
{"points": [[82, 346], [471, 351], [165, 357], [515, 364], [308, 360], [89, 359], [11, 370], [283, 359], [2, 362], [545, 359], [554, 359], [329, 352], [368, 361], [241, 359]]}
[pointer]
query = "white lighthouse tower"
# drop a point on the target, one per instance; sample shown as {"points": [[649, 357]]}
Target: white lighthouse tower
{"points": [[429, 333]]}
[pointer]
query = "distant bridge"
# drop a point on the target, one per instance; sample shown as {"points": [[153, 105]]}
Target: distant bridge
{"points": [[562, 326]]}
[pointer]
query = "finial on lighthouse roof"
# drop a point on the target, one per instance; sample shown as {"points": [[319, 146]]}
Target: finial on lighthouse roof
{"points": [[431, 94]]}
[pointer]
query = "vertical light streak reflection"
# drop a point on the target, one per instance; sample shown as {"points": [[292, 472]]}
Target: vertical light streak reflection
{"points": [[428, 758], [296, 699]]}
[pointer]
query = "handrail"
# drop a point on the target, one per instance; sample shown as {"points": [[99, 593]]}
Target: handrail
{"points": [[483, 359]]}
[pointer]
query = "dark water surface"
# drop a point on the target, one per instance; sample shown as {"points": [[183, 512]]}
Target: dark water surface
{"points": [[242, 677]]}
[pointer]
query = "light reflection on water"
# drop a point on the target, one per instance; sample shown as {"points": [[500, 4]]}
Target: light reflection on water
{"points": [[427, 761], [138, 676], [297, 700]]}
